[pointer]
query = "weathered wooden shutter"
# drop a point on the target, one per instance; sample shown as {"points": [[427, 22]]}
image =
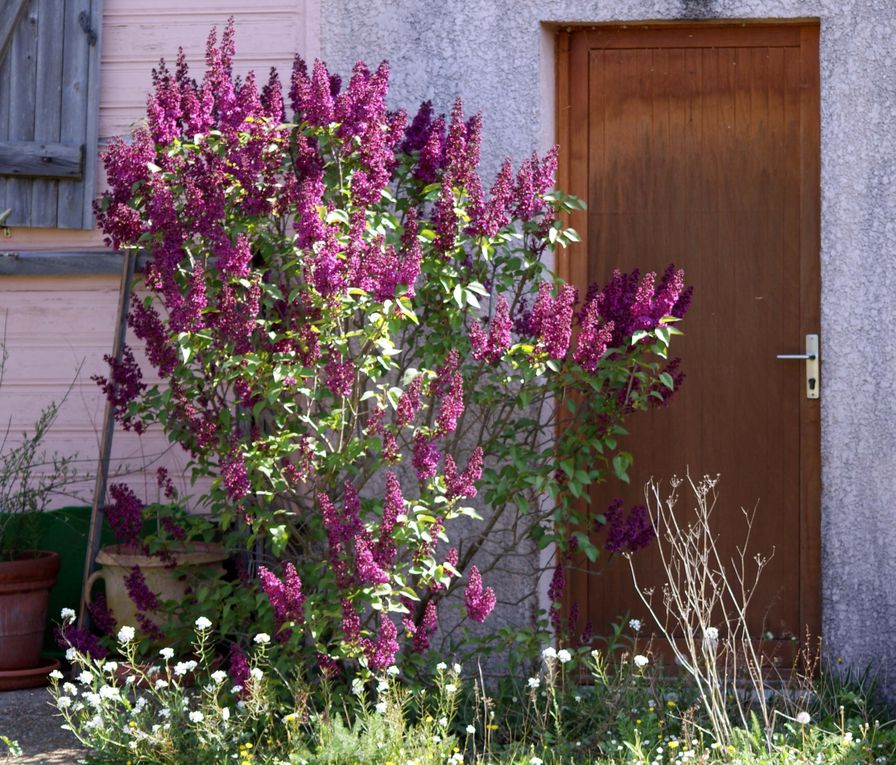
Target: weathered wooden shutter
{"points": [[49, 104]]}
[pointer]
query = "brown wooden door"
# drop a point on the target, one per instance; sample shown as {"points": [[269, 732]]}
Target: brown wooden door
{"points": [[699, 145]]}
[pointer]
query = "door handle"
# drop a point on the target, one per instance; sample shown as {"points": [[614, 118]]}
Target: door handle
{"points": [[812, 359]]}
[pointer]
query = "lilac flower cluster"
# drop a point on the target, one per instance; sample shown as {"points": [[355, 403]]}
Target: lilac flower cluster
{"points": [[101, 616], [125, 514], [492, 346], [286, 597], [424, 631], [556, 590], [82, 640], [627, 532], [238, 666], [124, 385], [138, 591], [480, 602], [426, 457], [463, 484]]}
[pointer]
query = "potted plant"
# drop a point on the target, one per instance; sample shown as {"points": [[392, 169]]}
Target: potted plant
{"points": [[29, 478], [162, 554]]}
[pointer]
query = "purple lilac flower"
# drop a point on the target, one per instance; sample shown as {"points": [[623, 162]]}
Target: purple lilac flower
{"points": [[391, 451], [551, 319], [319, 107], [463, 484], [426, 457], [432, 155], [555, 594], [367, 569], [452, 405], [101, 616], [393, 506], [147, 326], [82, 640], [165, 484], [328, 666], [234, 259], [234, 474], [627, 532], [124, 385], [492, 347], [479, 602], [427, 627], [418, 131], [411, 253], [351, 622], [445, 374], [139, 592], [445, 219], [409, 402], [239, 666], [496, 214], [148, 627], [125, 515], [594, 337], [286, 597], [381, 654], [340, 375]]}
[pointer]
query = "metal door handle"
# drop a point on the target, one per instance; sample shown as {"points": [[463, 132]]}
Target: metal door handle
{"points": [[811, 357]]}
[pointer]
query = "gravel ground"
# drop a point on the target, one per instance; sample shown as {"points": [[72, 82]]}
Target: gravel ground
{"points": [[27, 717]]}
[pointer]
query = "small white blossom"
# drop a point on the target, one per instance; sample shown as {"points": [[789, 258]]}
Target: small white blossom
{"points": [[110, 666], [357, 686], [549, 653], [63, 702], [534, 682], [641, 661], [471, 729], [110, 692], [262, 638], [70, 689], [85, 678], [393, 670], [441, 666], [381, 708], [141, 702], [225, 713], [70, 654], [803, 718], [93, 699], [457, 668], [196, 716], [382, 686], [159, 684], [450, 688], [563, 656], [130, 680], [56, 675], [165, 712], [67, 614], [635, 624], [256, 673], [167, 653], [203, 623], [126, 634], [236, 689], [219, 676], [443, 721], [536, 761], [182, 667]]}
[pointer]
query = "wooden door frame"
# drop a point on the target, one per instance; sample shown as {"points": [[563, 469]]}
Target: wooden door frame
{"points": [[572, 263]]}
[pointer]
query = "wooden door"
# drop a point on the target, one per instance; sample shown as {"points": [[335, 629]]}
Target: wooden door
{"points": [[699, 145]]}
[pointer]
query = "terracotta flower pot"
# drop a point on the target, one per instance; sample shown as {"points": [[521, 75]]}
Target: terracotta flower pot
{"points": [[168, 577], [25, 585]]}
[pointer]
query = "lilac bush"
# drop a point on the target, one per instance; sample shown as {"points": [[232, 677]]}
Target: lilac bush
{"points": [[356, 340]]}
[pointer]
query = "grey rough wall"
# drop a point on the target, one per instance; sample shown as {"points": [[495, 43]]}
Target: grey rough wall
{"points": [[497, 56]]}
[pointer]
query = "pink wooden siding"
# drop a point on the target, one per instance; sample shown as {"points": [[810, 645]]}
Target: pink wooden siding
{"points": [[55, 324]]}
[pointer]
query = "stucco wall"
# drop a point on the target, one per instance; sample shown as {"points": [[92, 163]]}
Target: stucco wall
{"points": [[498, 57]]}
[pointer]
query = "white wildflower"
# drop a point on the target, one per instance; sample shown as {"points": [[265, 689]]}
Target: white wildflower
{"points": [[63, 702], [70, 689], [450, 688], [536, 761], [126, 634], [711, 633], [635, 624], [262, 638], [381, 708], [471, 729], [182, 667], [165, 712], [130, 680], [443, 722], [203, 623], [357, 686], [641, 661], [456, 667], [803, 718], [382, 686], [167, 653], [441, 666], [70, 654], [393, 670], [534, 682], [256, 673], [56, 675], [159, 684], [549, 653], [110, 666], [110, 692], [564, 656], [140, 703], [225, 714], [219, 676], [196, 716], [85, 678], [93, 699], [67, 614]]}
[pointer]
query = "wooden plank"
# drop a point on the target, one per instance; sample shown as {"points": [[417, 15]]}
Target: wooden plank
{"points": [[736, 34], [30, 159], [75, 82], [11, 13], [91, 132], [22, 63], [48, 110], [810, 311]]}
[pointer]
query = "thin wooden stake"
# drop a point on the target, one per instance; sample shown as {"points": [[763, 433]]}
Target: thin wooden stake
{"points": [[102, 471]]}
